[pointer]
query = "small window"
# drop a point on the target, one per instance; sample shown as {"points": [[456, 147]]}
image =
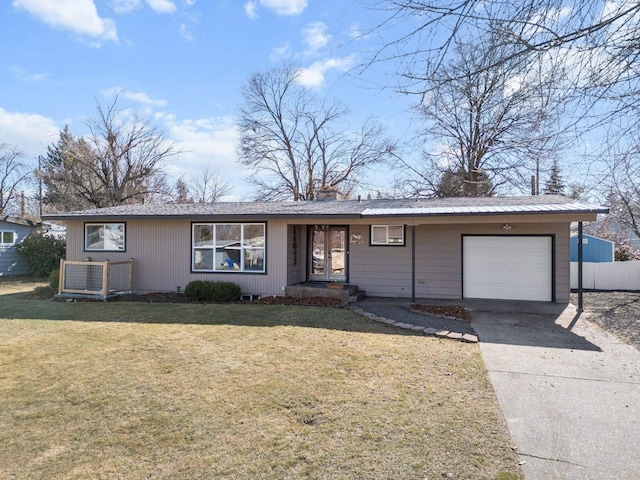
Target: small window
{"points": [[108, 237], [387, 234], [7, 238]]}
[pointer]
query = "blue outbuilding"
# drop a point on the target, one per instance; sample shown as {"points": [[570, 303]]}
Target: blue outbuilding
{"points": [[12, 232], [594, 249]]}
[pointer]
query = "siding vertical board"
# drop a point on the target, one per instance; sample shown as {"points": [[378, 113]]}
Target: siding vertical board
{"points": [[162, 253], [386, 271], [607, 275], [162, 256], [383, 271]]}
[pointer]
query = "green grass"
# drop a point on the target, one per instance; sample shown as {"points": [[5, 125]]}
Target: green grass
{"points": [[139, 390]]}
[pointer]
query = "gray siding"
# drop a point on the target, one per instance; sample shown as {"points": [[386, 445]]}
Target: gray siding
{"points": [[386, 271], [12, 263], [162, 257], [162, 254], [382, 271]]}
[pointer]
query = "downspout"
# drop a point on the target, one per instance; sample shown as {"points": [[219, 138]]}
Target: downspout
{"points": [[413, 263], [580, 305]]}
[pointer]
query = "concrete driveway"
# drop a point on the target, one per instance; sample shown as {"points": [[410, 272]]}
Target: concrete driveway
{"points": [[570, 392]]}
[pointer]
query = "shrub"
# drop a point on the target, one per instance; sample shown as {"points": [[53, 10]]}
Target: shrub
{"points": [[54, 279], [42, 252], [222, 292], [43, 292]]}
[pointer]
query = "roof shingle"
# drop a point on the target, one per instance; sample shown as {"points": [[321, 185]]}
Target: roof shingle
{"points": [[343, 208]]}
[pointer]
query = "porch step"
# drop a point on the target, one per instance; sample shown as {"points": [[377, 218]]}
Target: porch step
{"points": [[348, 294]]}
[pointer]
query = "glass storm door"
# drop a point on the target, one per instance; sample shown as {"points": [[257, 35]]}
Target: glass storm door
{"points": [[328, 253]]}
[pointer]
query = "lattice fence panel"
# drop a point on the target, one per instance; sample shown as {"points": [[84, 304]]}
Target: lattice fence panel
{"points": [[120, 277], [83, 277], [90, 277]]}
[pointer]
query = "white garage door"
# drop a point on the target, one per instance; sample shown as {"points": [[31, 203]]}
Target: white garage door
{"points": [[508, 267]]}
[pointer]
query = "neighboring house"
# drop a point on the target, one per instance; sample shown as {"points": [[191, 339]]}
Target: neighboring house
{"points": [[12, 232], [611, 227], [594, 249], [503, 248], [56, 231]]}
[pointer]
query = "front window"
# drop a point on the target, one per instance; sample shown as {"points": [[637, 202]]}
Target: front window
{"points": [[224, 247], [387, 234], [7, 238], [104, 237]]}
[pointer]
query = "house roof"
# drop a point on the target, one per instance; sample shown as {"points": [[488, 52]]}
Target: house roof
{"points": [[18, 221], [542, 204]]}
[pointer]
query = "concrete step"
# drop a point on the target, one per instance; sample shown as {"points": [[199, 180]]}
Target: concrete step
{"points": [[349, 293]]}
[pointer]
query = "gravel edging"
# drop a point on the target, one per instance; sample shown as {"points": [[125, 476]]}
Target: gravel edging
{"points": [[429, 331]]}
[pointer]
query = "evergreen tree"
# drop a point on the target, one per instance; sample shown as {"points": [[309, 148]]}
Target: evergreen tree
{"points": [[118, 162], [554, 184]]}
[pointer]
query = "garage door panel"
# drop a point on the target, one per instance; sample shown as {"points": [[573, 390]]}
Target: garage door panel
{"points": [[511, 268]]}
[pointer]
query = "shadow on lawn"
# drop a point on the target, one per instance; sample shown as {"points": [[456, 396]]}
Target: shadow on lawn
{"points": [[242, 314]]}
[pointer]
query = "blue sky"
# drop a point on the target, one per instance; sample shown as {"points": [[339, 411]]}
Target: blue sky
{"points": [[180, 62]]}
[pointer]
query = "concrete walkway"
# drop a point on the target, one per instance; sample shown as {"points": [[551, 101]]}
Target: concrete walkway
{"points": [[570, 392]]}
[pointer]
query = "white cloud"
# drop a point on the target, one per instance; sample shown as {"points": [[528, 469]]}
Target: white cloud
{"points": [[28, 132], [285, 7], [250, 10], [159, 6], [185, 32], [280, 7], [78, 16], [138, 97], [279, 53], [162, 6], [125, 6], [144, 99], [203, 142], [315, 36], [355, 32], [24, 75], [314, 76]]}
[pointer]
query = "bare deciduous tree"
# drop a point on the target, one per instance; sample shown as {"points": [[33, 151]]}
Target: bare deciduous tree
{"points": [[208, 186], [13, 175], [485, 128], [595, 40], [623, 180], [118, 162], [296, 144], [600, 35]]}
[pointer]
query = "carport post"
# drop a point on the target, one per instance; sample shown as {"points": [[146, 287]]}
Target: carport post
{"points": [[579, 266], [413, 263]]}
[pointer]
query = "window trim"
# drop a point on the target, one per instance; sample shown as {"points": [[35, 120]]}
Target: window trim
{"points": [[13, 242], [387, 243], [103, 224], [243, 249]]}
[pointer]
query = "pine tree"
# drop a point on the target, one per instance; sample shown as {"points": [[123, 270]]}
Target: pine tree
{"points": [[554, 184]]}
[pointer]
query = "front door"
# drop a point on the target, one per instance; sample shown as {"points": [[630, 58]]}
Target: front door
{"points": [[328, 253]]}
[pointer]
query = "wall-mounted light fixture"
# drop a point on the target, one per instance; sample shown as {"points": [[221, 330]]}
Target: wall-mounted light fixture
{"points": [[506, 227]]}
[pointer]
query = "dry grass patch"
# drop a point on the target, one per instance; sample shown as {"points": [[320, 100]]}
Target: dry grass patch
{"points": [[129, 390], [20, 284]]}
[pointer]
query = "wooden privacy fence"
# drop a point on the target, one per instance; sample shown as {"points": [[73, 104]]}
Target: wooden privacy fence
{"points": [[96, 278], [607, 275]]}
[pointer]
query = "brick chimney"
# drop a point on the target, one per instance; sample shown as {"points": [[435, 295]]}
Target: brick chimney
{"points": [[328, 193]]}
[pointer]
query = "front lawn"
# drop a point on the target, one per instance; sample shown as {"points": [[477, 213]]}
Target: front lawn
{"points": [[143, 390]]}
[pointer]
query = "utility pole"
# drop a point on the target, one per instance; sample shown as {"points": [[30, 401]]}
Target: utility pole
{"points": [[39, 187]]}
